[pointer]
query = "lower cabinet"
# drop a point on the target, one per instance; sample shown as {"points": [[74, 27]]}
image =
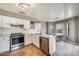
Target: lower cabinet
{"points": [[36, 40], [27, 39], [32, 39], [52, 45], [4, 44]]}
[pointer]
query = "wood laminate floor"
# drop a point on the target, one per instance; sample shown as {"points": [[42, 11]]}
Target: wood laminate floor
{"points": [[29, 50]]}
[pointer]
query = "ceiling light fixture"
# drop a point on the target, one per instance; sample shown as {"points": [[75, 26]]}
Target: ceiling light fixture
{"points": [[23, 5]]}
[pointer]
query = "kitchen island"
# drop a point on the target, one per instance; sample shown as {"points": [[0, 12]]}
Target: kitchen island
{"points": [[45, 42], [48, 43]]}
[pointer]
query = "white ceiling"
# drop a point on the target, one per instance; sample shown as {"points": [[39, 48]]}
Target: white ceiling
{"points": [[45, 11]]}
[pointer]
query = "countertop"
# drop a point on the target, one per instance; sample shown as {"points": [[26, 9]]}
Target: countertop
{"points": [[43, 35], [47, 36]]}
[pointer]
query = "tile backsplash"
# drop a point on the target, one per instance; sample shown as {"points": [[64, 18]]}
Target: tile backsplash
{"points": [[4, 31]]}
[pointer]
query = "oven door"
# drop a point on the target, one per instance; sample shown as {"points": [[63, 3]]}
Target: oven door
{"points": [[17, 41]]}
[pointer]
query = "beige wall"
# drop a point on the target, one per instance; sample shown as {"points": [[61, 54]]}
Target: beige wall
{"points": [[51, 27], [4, 31], [16, 15], [43, 28]]}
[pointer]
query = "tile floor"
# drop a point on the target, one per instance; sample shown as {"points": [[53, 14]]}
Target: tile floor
{"points": [[66, 49]]}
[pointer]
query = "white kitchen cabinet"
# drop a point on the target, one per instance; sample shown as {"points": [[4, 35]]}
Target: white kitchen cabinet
{"points": [[17, 21], [4, 44], [20, 21], [35, 40], [6, 21], [1, 21], [14, 20], [52, 44], [32, 39], [27, 39], [37, 27], [26, 24]]}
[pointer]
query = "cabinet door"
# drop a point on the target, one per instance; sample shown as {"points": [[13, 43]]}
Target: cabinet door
{"points": [[37, 27], [26, 24], [20, 21], [14, 21], [4, 44], [28, 39], [35, 40], [6, 21], [1, 21], [52, 45]]}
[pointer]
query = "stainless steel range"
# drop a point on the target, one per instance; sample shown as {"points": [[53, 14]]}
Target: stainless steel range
{"points": [[16, 41]]}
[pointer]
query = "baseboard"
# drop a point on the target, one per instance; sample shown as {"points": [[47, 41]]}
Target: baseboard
{"points": [[17, 49], [29, 44], [71, 42]]}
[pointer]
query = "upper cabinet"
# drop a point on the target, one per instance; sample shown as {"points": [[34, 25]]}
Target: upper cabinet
{"points": [[17, 21], [5, 22], [1, 21], [35, 27], [20, 21], [26, 24], [13, 20]]}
